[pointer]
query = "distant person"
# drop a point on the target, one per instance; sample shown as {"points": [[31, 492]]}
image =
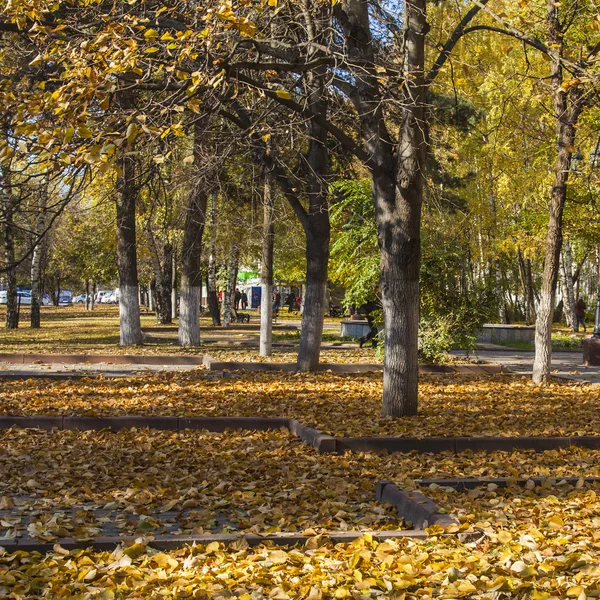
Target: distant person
{"points": [[290, 301], [237, 298], [367, 310], [277, 300], [580, 313], [244, 301]]}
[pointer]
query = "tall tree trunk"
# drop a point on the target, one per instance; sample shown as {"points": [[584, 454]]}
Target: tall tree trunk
{"points": [[266, 273], [173, 286], [151, 294], [567, 107], [36, 259], [163, 275], [129, 309], [191, 276], [316, 226], [191, 249], [566, 309], [231, 280], [530, 293], [502, 314], [570, 297], [88, 295], [8, 206], [211, 288]]}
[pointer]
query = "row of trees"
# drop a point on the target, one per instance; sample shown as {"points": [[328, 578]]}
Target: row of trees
{"points": [[169, 104]]}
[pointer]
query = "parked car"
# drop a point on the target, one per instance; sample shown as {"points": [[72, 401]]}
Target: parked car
{"points": [[80, 299], [100, 295], [46, 300], [23, 297], [114, 298], [65, 297]]}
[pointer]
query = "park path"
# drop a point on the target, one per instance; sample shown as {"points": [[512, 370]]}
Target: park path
{"points": [[565, 365]]}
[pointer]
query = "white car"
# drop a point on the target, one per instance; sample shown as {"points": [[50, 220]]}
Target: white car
{"points": [[22, 297], [101, 294]]}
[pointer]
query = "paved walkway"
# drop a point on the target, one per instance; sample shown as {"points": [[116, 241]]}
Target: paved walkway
{"points": [[565, 365], [63, 370]]}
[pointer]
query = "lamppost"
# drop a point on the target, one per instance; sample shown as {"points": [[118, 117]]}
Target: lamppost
{"points": [[591, 346]]}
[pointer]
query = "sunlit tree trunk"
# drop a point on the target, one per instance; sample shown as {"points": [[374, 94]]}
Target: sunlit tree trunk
{"points": [[129, 309], [266, 274], [191, 250], [36, 259], [567, 107], [570, 290], [211, 283], [231, 281], [8, 206]]}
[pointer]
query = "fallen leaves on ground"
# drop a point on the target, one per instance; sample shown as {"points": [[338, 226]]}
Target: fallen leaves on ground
{"points": [[343, 405], [258, 482], [544, 566]]}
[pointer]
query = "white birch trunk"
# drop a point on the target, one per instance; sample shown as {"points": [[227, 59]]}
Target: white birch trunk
{"points": [[266, 319], [129, 311], [230, 284], [189, 316], [266, 304]]}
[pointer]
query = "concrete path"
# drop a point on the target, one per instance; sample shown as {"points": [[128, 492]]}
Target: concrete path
{"points": [[565, 365], [63, 370]]}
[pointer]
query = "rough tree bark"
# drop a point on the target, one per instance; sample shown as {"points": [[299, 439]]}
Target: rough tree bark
{"points": [[129, 309], [566, 107], [211, 283], [173, 285], [231, 280], [191, 249], [163, 274], [570, 291], [36, 259], [527, 284], [317, 230], [8, 206], [266, 273], [398, 194], [502, 314], [88, 294]]}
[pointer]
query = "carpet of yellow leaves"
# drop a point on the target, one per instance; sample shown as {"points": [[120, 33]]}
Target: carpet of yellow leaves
{"points": [[343, 405], [534, 544]]}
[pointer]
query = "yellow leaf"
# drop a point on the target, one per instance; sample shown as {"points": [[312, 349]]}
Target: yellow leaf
{"points": [[132, 132], [212, 547], [151, 34], [283, 94], [278, 557]]}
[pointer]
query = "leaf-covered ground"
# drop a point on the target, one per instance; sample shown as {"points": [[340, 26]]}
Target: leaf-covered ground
{"points": [[258, 482], [72, 329], [344, 405], [533, 545]]}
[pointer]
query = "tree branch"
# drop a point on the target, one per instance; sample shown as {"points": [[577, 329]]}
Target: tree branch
{"points": [[457, 34], [346, 141]]}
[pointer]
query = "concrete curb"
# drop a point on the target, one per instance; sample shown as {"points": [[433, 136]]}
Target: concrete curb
{"points": [[216, 424], [325, 444], [313, 437], [502, 482], [413, 506], [214, 365], [115, 359], [173, 542]]}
